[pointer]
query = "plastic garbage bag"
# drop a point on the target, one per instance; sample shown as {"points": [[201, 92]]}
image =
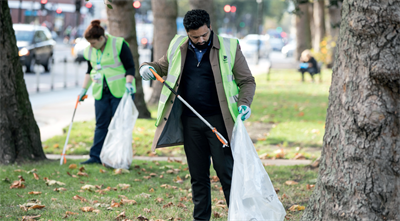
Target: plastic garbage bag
{"points": [[253, 196], [117, 148]]}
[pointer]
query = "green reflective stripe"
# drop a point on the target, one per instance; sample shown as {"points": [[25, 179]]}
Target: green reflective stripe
{"points": [[171, 78], [173, 50], [163, 98], [112, 65], [116, 77], [227, 46], [230, 77], [234, 99]]}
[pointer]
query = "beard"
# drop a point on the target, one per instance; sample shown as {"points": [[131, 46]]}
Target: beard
{"points": [[201, 46]]}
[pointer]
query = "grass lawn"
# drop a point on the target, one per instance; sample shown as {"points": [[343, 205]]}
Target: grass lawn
{"points": [[155, 190], [296, 112]]}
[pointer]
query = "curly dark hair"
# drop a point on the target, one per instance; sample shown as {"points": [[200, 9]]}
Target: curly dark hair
{"points": [[196, 18]]}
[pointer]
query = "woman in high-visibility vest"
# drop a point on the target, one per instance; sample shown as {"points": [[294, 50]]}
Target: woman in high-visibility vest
{"points": [[111, 72]]}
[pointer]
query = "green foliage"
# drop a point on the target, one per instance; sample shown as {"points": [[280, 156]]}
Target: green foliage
{"points": [[141, 183]]}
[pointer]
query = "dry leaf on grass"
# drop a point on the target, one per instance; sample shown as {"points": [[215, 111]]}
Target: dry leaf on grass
{"points": [[53, 182], [147, 210], [87, 209], [102, 171], [151, 190], [214, 179], [113, 205], [81, 169], [263, 156], [291, 182], [121, 215], [128, 202], [168, 205], [35, 176], [82, 174], [60, 189], [296, 208], [153, 174], [72, 166], [34, 193], [299, 156], [82, 199], [71, 213], [29, 218], [19, 170], [18, 184], [179, 180], [159, 200], [147, 177], [216, 215], [88, 187], [142, 218], [309, 187], [124, 186], [181, 205], [120, 171]]}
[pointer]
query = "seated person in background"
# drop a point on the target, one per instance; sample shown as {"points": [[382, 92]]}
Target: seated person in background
{"points": [[308, 64]]}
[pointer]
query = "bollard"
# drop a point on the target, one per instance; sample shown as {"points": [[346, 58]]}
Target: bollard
{"points": [[52, 78], [37, 72], [65, 72]]}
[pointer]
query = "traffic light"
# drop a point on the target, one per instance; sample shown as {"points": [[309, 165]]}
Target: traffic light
{"points": [[137, 4], [78, 4], [90, 8], [43, 4]]}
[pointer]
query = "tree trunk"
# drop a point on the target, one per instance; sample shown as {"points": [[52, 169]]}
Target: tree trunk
{"points": [[319, 23], [208, 6], [19, 133], [359, 175], [165, 13], [303, 33], [121, 23]]}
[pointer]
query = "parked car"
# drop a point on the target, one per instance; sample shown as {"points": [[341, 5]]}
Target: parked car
{"points": [[276, 44], [35, 46], [288, 50], [249, 45]]}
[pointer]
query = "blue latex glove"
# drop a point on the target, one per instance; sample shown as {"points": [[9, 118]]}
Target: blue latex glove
{"points": [[246, 111], [130, 88], [146, 73], [83, 93]]}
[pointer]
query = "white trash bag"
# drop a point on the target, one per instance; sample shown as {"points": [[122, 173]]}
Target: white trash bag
{"points": [[252, 197], [117, 148]]}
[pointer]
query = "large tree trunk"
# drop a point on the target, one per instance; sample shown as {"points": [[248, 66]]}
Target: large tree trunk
{"points": [[165, 13], [208, 6], [359, 176], [121, 23], [319, 23], [303, 33], [19, 133]]}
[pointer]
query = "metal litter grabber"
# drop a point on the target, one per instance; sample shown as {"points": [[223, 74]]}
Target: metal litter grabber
{"points": [[63, 159], [219, 136]]}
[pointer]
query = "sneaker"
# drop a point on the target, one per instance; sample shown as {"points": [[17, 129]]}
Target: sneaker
{"points": [[90, 161]]}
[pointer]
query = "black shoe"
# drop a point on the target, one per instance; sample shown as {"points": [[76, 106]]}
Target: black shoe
{"points": [[90, 161]]}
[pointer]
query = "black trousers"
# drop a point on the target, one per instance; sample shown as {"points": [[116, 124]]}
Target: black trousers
{"points": [[200, 143]]}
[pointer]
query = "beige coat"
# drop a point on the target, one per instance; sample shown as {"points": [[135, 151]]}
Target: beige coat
{"points": [[169, 130]]}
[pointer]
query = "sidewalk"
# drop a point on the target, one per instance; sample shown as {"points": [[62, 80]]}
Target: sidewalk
{"points": [[278, 162]]}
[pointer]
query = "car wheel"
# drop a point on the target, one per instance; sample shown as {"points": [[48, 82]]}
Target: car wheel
{"points": [[49, 64], [31, 66]]}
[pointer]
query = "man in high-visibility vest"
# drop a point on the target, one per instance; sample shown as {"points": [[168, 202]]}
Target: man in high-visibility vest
{"points": [[111, 72], [212, 75]]}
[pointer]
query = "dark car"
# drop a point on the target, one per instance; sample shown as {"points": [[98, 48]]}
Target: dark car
{"points": [[35, 46]]}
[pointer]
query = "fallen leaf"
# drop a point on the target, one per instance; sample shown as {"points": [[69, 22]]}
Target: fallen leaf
{"points": [[81, 169], [147, 210], [36, 176], [161, 176], [151, 190], [72, 166], [263, 156], [138, 180], [309, 187], [53, 199], [60, 189], [129, 202], [102, 171], [296, 208], [285, 196], [115, 205], [32, 171], [88, 187], [299, 156], [29, 218], [53, 182], [71, 213], [300, 114], [142, 218], [96, 211], [159, 200], [147, 177], [181, 205], [279, 154], [291, 182], [82, 174], [87, 209], [20, 195], [120, 171], [277, 190], [121, 215], [35, 193], [37, 207], [18, 184], [169, 171], [77, 197], [168, 205], [216, 215], [122, 196], [19, 170], [179, 180], [153, 174], [214, 179], [124, 186]]}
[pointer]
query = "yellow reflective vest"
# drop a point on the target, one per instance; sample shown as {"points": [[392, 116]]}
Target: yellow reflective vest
{"points": [[226, 55], [107, 65]]}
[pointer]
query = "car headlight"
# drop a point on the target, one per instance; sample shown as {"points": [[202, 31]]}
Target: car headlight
{"points": [[23, 52]]}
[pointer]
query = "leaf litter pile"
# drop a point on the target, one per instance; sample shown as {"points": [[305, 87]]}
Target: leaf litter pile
{"points": [[149, 190]]}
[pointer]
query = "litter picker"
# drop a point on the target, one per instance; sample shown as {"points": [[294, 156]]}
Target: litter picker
{"points": [[219, 136], [63, 159]]}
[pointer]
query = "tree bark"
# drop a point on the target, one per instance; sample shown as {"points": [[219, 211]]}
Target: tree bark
{"points": [[319, 23], [359, 175], [165, 13], [335, 17], [303, 32], [19, 133], [208, 6], [121, 23]]}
